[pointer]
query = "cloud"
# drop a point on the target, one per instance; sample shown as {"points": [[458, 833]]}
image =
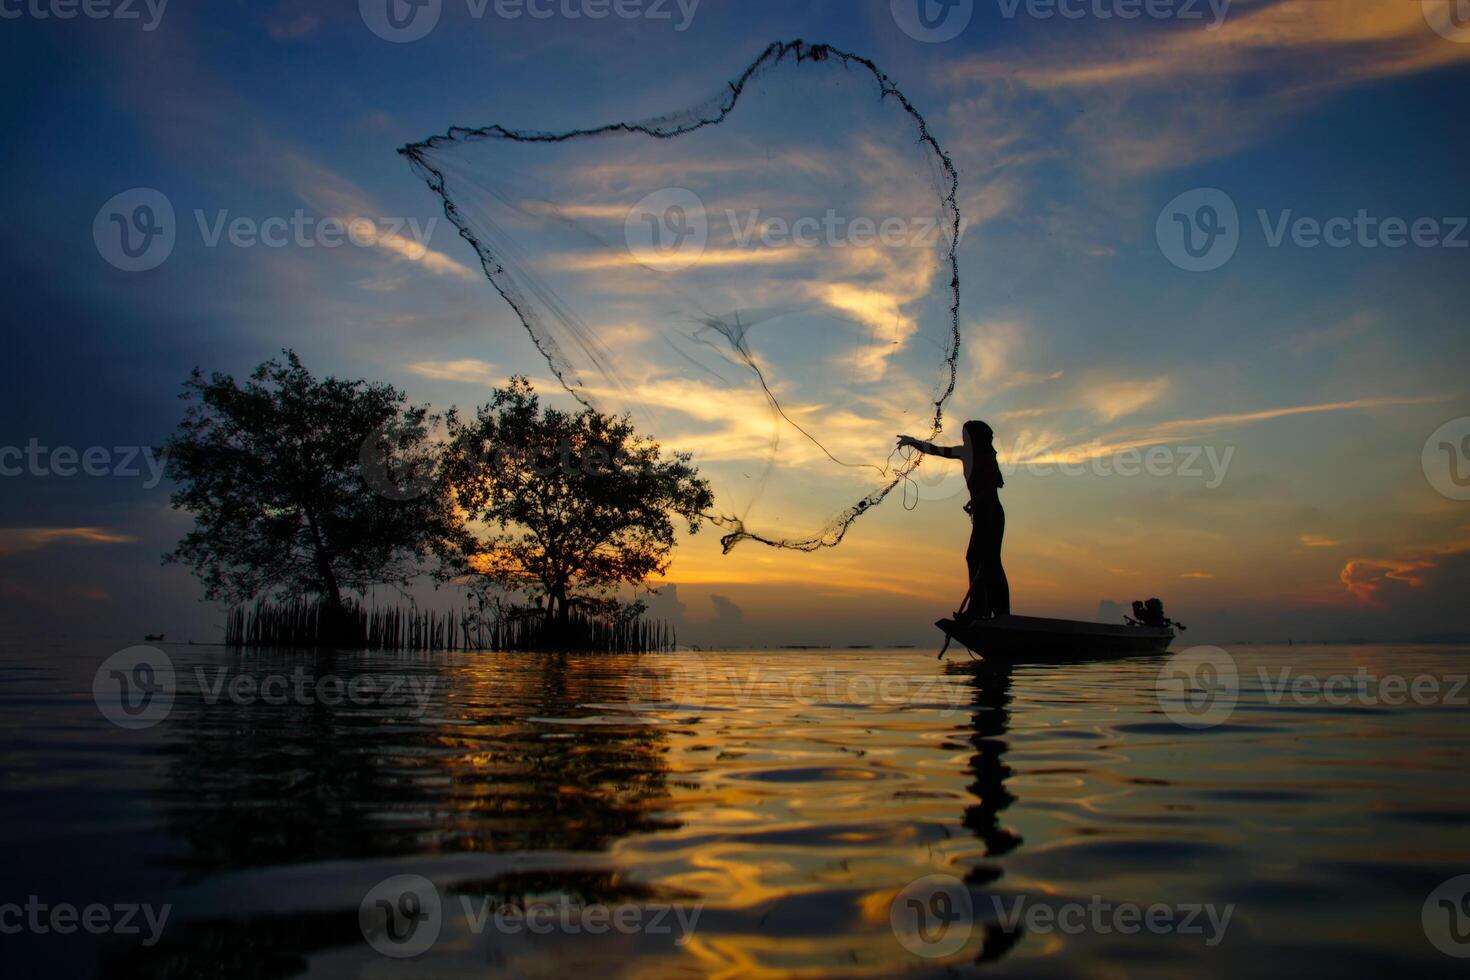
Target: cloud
{"points": [[1364, 577], [334, 196], [1113, 399], [1335, 336], [466, 370], [293, 26], [1171, 431], [727, 613], [1208, 93], [1367, 579], [1316, 541], [14, 540], [994, 354]]}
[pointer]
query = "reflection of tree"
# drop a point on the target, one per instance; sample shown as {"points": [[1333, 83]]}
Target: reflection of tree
{"points": [[253, 785], [257, 784]]}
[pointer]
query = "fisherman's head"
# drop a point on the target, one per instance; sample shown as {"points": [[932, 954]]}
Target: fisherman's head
{"points": [[977, 433]]}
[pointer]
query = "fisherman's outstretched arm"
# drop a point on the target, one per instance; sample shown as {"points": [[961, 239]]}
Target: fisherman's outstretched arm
{"points": [[929, 449]]}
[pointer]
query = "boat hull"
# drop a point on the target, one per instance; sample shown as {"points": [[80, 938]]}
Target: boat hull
{"points": [[1035, 638]]}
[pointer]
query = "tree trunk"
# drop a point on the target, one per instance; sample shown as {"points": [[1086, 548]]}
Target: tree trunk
{"points": [[332, 589]]}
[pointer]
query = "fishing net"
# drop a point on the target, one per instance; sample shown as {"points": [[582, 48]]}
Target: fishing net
{"points": [[766, 279]]}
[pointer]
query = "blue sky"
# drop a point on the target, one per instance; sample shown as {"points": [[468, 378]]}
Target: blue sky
{"points": [[1321, 370]]}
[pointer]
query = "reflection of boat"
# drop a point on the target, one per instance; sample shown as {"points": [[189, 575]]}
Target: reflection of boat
{"points": [[1035, 638]]}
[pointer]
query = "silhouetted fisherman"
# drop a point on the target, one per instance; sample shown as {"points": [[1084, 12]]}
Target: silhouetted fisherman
{"points": [[990, 592]]}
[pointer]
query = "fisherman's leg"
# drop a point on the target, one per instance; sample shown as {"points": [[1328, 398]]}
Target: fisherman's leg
{"points": [[975, 568], [999, 586]]}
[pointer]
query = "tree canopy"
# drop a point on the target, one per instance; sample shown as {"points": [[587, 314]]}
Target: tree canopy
{"points": [[576, 504], [304, 486]]}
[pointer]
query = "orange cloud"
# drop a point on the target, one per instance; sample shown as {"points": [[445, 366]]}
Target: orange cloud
{"points": [[1365, 577], [14, 540]]}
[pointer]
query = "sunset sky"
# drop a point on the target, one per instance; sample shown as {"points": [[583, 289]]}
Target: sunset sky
{"points": [[1292, 388]]}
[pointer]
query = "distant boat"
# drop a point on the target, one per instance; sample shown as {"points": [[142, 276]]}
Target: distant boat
{"points": [[1035, 638], [153, 637]]}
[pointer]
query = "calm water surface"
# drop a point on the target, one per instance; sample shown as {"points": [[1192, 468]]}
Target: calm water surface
{"points": [[783, 799]]}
